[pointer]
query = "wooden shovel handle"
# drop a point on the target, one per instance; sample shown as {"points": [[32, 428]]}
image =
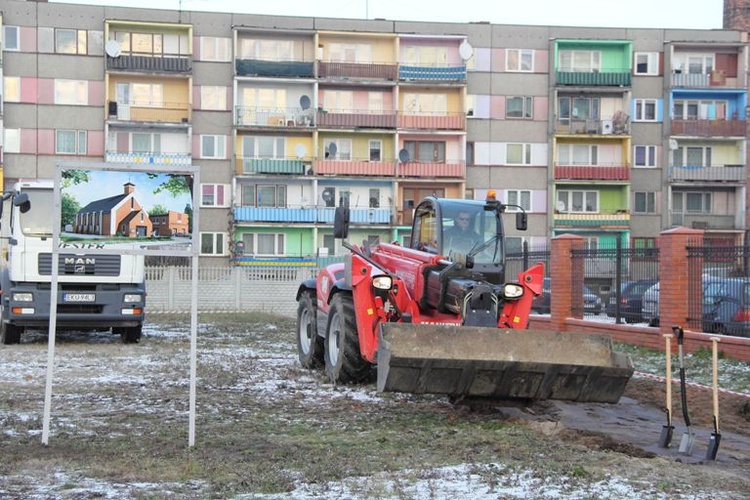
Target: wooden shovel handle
{"points": [[668, 355], [715, 378]]}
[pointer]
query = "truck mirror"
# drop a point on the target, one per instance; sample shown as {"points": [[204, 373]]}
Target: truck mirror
{"points": [[21, 200], [341, 223], [522, 221]]}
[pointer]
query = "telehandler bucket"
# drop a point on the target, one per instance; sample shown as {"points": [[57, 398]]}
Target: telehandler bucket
{"points": [[491, 363]]}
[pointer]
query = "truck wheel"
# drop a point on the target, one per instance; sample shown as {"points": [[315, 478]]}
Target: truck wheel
{"points": [[129, 335], [10, 334], [344, 363], [310, 345]]}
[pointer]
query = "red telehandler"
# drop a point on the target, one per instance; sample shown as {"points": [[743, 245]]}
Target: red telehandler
{"points": [[438, 317]]}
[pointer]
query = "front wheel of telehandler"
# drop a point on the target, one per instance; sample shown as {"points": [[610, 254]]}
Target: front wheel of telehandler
{"points": [[309, 343], [344, 363]]}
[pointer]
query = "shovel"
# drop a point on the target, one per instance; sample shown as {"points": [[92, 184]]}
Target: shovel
{"points": [[688, 438], [666, 431], [713, 443]]}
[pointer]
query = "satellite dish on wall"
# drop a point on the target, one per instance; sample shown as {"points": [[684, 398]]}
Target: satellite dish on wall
{"points": [[305, 102], [112, 48], [403, 155], [673, 144], [301, 150], [465, 50], [332, 149]]}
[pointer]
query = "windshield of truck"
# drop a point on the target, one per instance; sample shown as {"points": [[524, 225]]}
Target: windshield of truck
{"points": [[471, 229], [38, 220]]}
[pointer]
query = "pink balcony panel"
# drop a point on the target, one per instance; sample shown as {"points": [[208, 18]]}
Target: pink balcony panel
{"points": [[343, 167], [355, 119], [439, 122], [592, 172], [432, 170]]}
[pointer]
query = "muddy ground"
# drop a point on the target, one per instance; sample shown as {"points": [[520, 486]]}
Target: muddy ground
{"points": [[265, 427]]}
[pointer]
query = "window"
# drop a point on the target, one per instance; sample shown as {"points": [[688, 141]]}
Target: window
{"points": [[350, 52], [425, 55], [213, 243], [145, 143], [645, 202], [580, 61], [425, 104], [75, 92], [639, 243], [700, 109], [141, 94], [152, 43], [341, 150], [646, 63], [691, 202], [577, 201], [577, 108], [11, 38], [12, 89], [376, 150], [213, 146], [374, 198], [518, 197], [263, 147], [268, 50], [71, 41], [514, 244], [70, 142], [645, 110], [700, 64], [519, 60], [271, 196], [215, 49], [519, 107], [645, 156], [692, 156], [577, 154], [425, 151], [518, 154], [264, 243], [12, 140], [214, 98], [338, 100], [213, 195]]}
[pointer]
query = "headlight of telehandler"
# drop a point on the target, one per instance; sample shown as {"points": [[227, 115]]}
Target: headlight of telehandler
{"points": [[382, 282], [512, 291]]}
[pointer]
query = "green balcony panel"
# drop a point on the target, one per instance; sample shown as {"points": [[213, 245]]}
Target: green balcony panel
{"points": [[272, 166], [593, 79]]}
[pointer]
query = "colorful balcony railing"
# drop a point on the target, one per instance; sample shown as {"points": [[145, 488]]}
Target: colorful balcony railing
{"points": [[589, 79], [414, 169], [592, 172], [356, 118], [446, 121], [136, 63], [716, 173], [281, 69], [148, 158], [709, 128], [616, 220], [356, 167], [432, 73], [321, 215], [254, 116], [365, 71], [291, 166], [138, 111]]}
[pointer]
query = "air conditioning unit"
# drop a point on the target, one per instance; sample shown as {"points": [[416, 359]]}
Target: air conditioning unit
{"points": [[607, 127]]}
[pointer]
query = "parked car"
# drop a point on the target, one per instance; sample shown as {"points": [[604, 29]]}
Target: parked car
{"points": [[592, 303], [726, 307], [631, 300], [650, 309]]}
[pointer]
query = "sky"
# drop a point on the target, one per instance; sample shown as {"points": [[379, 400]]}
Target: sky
{"points": [[695, 14]]}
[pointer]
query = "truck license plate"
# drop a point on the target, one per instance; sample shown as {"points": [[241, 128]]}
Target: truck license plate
{"points": [[79, 297]]}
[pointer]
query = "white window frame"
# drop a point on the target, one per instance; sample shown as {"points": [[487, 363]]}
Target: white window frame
{"points": [[341, 101], [525, 153], [425, 103], [682, 154], [640, 110], [251, 244], [580, 61], [80, 45], [567, 154], [648, 199], [217, 239], [215, 49], [213, 98], [217, 191], [706, 201], [650, 154], [11, 38], [80, 142], [374, 145], [279, 146], [343, 149], [569, 194], [78, 88], [651, 62], [527, 107], [518, 196], [524, 59], [219, 143]]}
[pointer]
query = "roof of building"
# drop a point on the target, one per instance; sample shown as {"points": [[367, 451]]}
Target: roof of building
{"points": [[103, 205]]}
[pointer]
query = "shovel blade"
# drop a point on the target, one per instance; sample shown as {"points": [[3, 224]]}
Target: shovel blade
{"points": [[713, 446], [665, 440], [686, 444]]}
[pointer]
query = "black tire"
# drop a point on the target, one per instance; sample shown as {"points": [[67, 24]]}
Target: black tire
{"points": [[129, 335], [344, 363], [310, 345], [10, 334]]}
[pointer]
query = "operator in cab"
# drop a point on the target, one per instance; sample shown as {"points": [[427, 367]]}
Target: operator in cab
{"points": [[462, 237]]}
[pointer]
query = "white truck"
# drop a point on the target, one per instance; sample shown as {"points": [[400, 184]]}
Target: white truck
{"points": [[96, 291]]}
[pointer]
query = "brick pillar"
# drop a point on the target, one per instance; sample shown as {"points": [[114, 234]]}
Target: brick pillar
{"points": [[562, 270], [676, 279]]}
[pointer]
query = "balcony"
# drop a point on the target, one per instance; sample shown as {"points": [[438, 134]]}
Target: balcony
{"points": [[703, 221], [350, 118], [620, 125], [432, 73], [253, 116], [312, 215], [172, 159], [288, 166], [150, 64], [356, 167], [155, 112], [620, 220], [454, 169], [434, 121], [593, 78], [362, 71], [716, 173], [716, 79], [592, 172], [280, 69], [709, 128]]}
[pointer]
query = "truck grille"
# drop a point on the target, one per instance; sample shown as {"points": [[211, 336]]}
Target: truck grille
{"points": [[80, 265]]}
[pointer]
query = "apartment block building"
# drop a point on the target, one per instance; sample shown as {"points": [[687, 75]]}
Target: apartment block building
{"points": [[609, 133]]}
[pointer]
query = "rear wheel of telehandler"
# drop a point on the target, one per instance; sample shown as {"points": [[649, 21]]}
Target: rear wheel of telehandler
{"points": [[10, 334], [344, 363], [310, 345]]}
